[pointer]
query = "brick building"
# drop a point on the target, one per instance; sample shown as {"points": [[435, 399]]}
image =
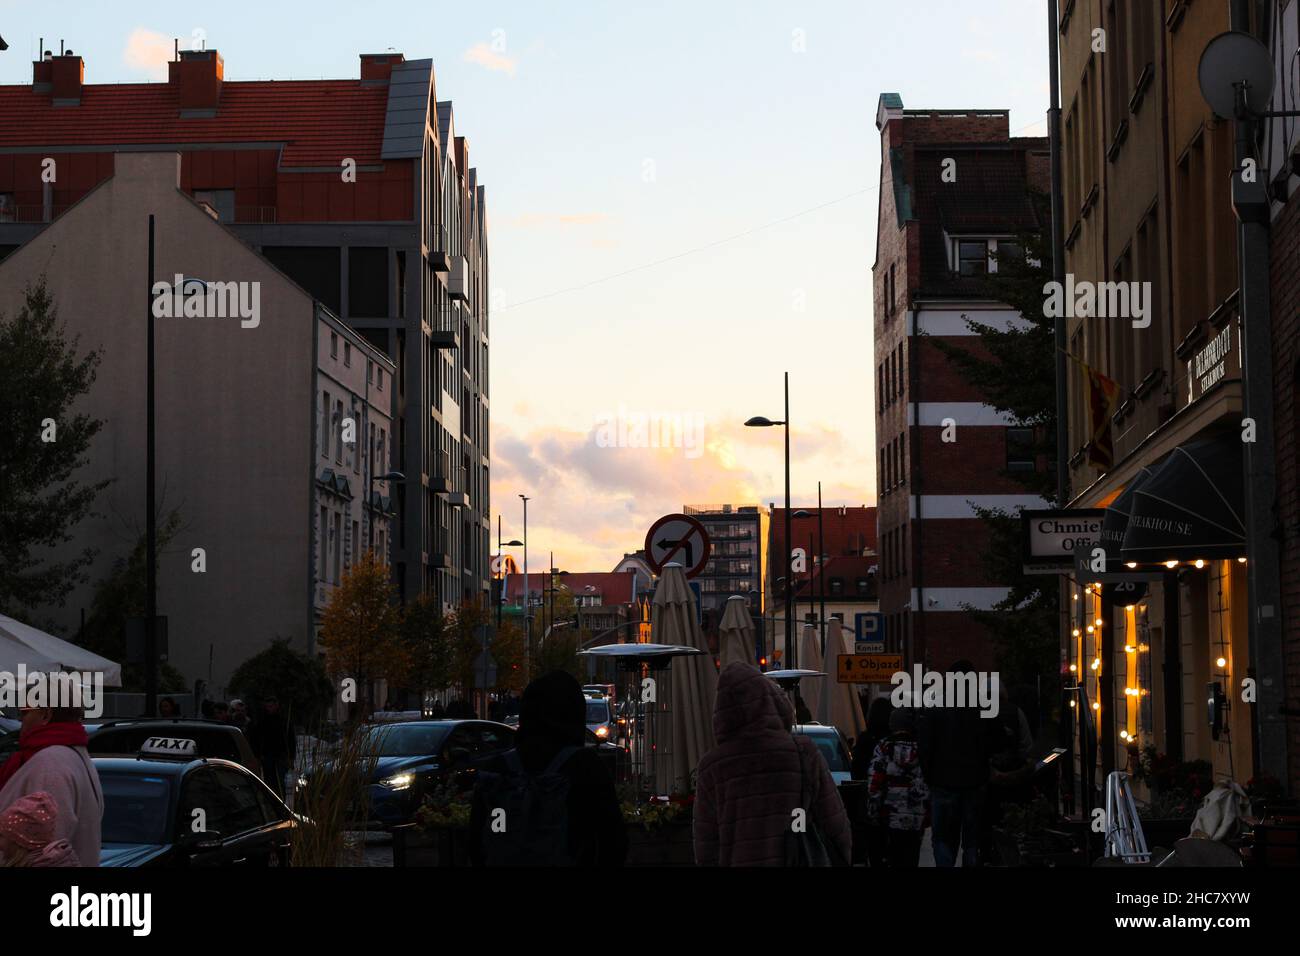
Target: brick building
{"points": [[362, 192], [935, 242], [844, 574], [1282, 153], [1147, 198]]}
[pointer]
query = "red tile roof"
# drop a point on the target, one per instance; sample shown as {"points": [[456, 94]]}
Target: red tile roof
{"points": [[320, 122]]}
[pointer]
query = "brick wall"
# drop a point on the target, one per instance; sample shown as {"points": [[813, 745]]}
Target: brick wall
{"points": [[1286, 382]]}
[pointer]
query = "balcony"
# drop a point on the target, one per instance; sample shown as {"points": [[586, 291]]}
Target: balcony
{"points": [[440, 480], [458, 282], [440, 559], [439, 258]]}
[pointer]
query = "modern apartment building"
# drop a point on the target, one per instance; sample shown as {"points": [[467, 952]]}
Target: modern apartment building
{"points": [[358, 189], [955, 190], [262, 423], [738, 538]]}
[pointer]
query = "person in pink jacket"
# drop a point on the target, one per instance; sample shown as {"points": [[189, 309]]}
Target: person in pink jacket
{"points": [[52, 757], [750, 784], [27, 834]]}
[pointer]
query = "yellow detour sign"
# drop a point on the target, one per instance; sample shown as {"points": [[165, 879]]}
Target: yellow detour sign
{"points": [[868, 668]]}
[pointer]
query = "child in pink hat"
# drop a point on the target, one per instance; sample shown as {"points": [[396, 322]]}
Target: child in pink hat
{"points": [[27, 834]]}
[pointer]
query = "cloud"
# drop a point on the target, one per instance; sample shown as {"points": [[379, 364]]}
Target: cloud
{"points": [[532, 220], [149, 52], [486, 57]]}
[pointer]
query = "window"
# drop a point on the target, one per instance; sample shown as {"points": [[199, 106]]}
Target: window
{"points": [[334, 345], [222, 202], [837, 586], [1007, 250], [379, 379], [368, 282], [322, 569], [338, 424], [1020, 449], [356, 540], [8, 208], [972, 257], [336, 535], [891, 288], [347, 354], [325, 424]]}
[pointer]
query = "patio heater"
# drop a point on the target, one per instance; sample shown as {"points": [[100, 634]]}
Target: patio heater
{"points": [[644, 679]]}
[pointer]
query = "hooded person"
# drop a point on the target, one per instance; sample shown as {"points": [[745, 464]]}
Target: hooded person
{"points": [[898, 796], [749, 784], [27, 834], [551, 742], [52, 758]]}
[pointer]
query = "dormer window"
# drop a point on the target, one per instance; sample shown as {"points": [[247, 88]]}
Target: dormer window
{"points": [[973, 257]]}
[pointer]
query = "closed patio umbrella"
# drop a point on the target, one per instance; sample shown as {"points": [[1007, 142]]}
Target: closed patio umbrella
{"points": [[845, 710], [736, 633], [815, 696], [23, 643], [674, 620]]}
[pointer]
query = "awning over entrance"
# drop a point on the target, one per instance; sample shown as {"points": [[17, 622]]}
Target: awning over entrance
{"points": [[1191, 507], [1115, 523]]}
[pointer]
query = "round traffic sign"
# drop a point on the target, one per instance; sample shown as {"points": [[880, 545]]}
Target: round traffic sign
{"points": [[677, 538]]}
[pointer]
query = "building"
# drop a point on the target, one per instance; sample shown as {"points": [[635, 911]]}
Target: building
{"points": [[842, 572], [361, 191], [1282, 152], [269, 495], [936, 240], [738, 542], [605, 603], [1155, 395]]}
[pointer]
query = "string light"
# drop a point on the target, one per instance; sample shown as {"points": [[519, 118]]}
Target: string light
{"points": [[1097, 622], [1130, 564], [1075, 632], [1171, 564], [1199, 564], [1096, 705], [1090, 628], [1096, 663], [1241, 560], [1222, 662], [1130, 649]]}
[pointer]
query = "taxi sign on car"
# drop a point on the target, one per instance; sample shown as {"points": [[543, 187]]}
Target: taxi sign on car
{"points": [[181, 748]]}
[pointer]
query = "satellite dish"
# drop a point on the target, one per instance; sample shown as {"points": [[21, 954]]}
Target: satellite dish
{"points": [[1229, 60]]}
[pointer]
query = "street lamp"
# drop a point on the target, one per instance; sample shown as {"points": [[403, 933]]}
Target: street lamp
{"points": [[515, 543], [761, 422], [370, 497], [528, 604]]}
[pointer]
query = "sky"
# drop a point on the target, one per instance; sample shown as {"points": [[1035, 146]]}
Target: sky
{"points": [[681, 208]]}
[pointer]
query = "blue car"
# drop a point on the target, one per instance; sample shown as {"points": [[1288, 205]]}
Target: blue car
{"points": [[415, 757], [167, 807]]}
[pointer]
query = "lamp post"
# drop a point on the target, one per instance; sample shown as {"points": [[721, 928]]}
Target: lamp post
{"points": [[819, 567], [760, 422], [528, 604], [370, 497], [515, 543]]}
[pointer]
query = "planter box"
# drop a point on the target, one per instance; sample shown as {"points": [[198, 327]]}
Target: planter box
{"points": [[413, 846], [667, 845]]}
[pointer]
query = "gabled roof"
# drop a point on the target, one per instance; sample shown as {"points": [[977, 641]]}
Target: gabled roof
{"points": [[409, 89], [318, 122]]}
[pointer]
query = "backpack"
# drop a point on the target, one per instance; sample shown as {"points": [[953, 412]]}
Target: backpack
{"points": [[534, 830], [806, 848]]}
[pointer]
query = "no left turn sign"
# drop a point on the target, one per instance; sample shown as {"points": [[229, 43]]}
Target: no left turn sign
{"points": [[677, 538]]}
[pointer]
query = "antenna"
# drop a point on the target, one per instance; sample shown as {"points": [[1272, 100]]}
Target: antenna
{"points": [[1236, 75]]}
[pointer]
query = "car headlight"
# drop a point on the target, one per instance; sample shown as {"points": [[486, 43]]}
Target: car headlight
{"points": [[398, 781], [602, 731]]}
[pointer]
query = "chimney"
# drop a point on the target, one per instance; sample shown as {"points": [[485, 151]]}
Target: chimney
{"points": [[197, 78], [377, 68], [65, 73]]}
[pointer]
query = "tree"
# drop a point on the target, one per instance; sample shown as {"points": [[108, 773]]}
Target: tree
{"points": [[299, 682], [1014, 370], [508, 652], [361, 628], [45, 444], [424, 634], [466, 642], [122, 595]]}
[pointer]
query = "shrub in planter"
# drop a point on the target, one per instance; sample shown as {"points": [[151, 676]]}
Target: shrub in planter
{"points": [[659, 832]]}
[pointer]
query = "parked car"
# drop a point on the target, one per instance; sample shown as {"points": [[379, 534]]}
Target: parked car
{"points": [[212, 738], [832, 748], [151, 802]]}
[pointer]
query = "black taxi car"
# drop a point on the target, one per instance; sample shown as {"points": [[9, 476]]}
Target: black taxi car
{"points": [[168, 807]]}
